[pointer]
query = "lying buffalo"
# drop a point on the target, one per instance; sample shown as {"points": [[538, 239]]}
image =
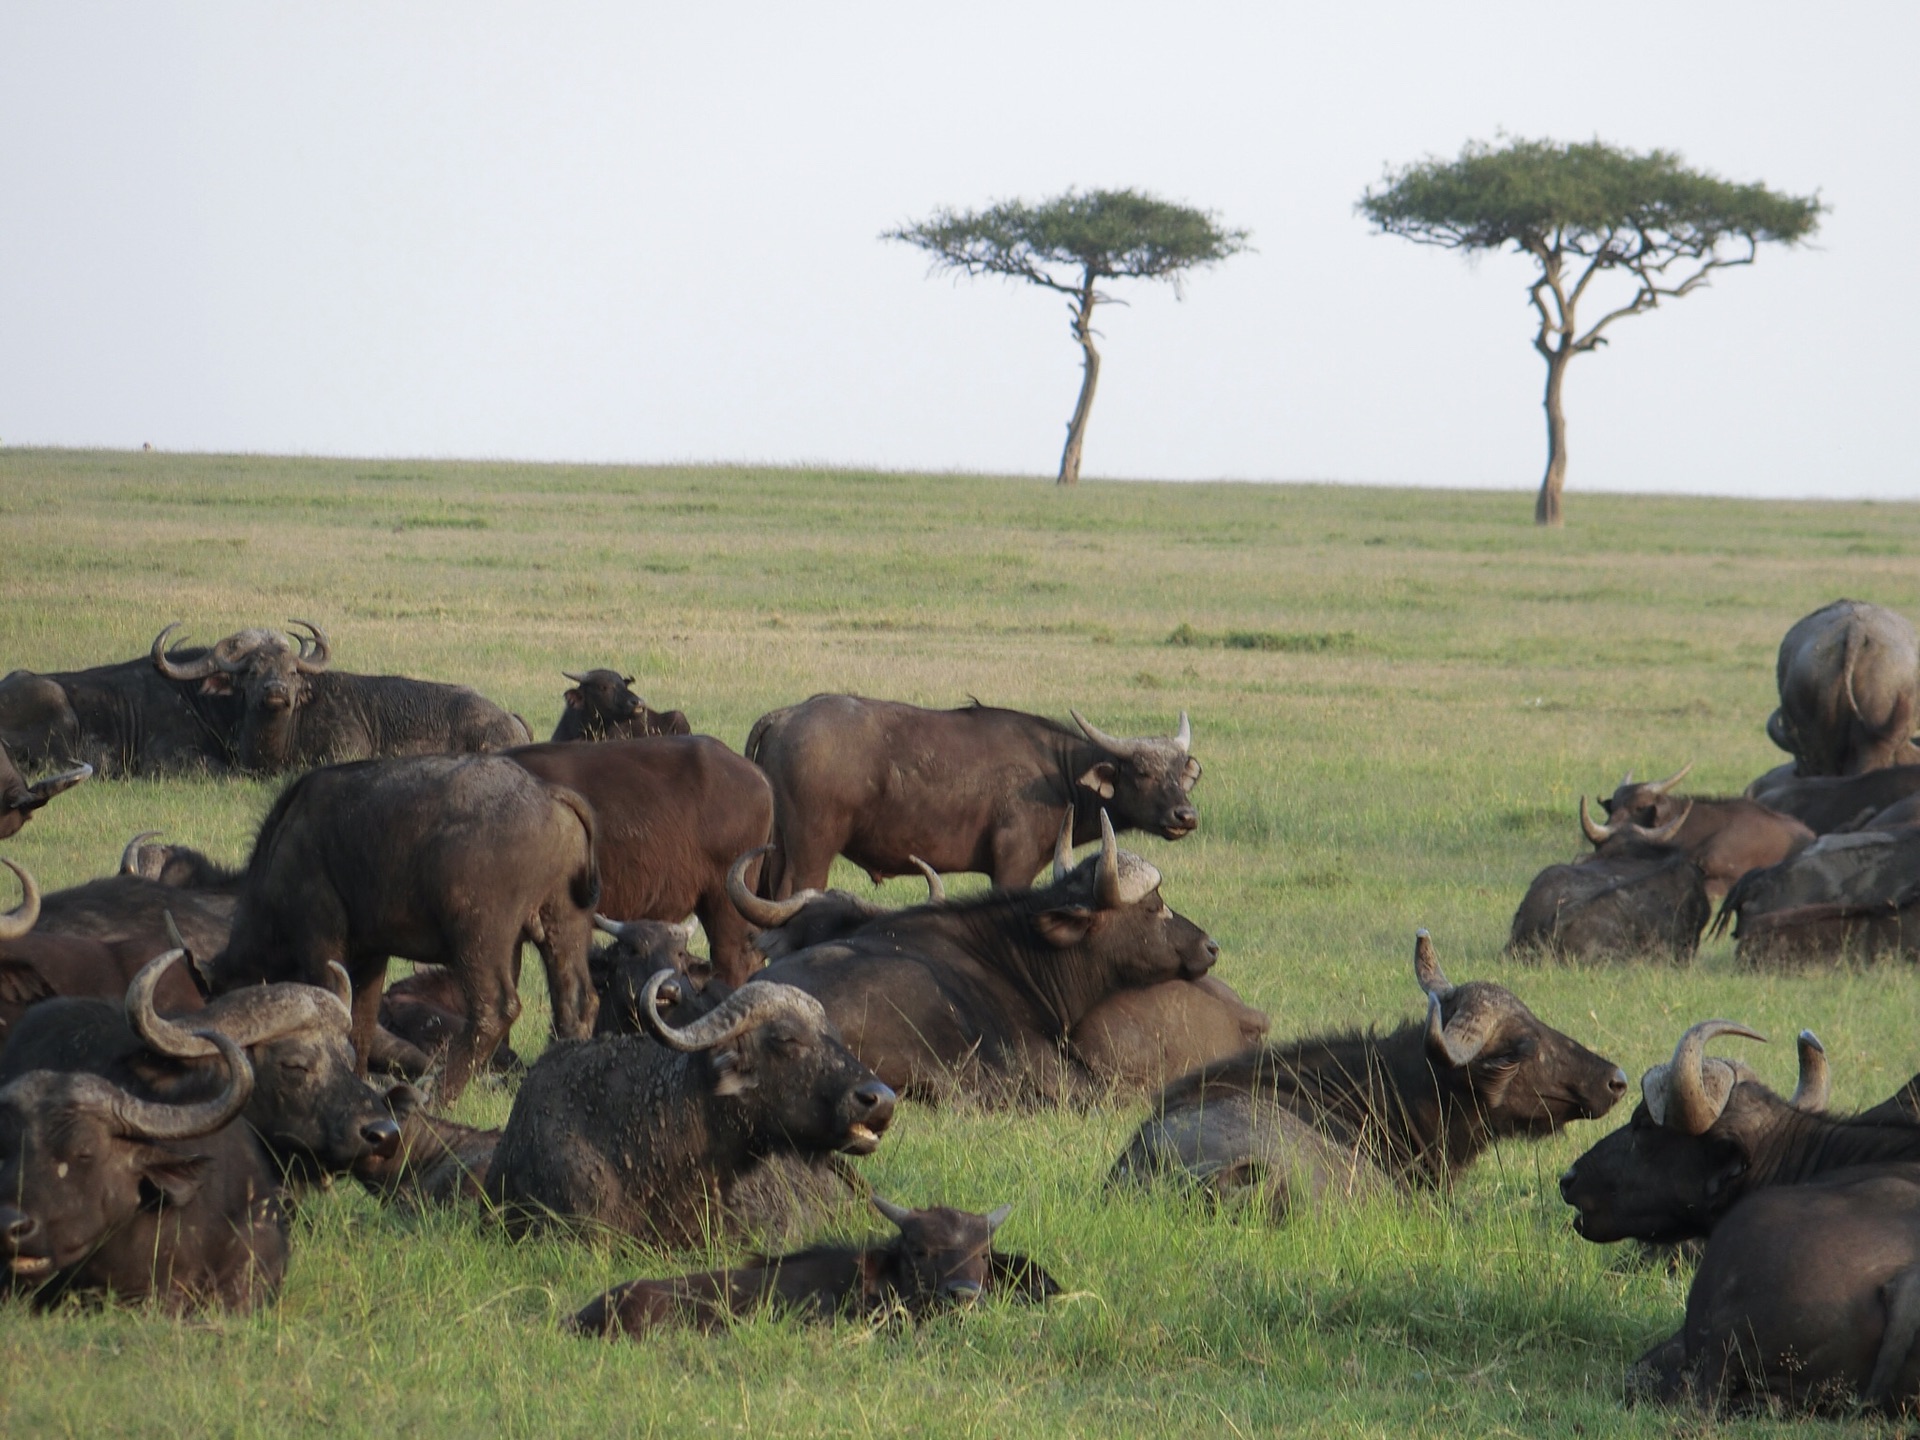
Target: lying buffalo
{"points": [[1849, 681], [1828, 803], [105, 1193], [1846, 894], [18, 799], [974, 789], [121, 719], [647, 1137], [640, 950], [939, 1258], [1725, 837], [296, 712], [1324, 1119], [602, 706], [437, 1162], [980, 995], [449, 860], [1638, 894]]}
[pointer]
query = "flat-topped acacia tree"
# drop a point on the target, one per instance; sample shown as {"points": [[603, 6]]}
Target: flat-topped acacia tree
{"points": [[1071, 244], [1583, 212]]}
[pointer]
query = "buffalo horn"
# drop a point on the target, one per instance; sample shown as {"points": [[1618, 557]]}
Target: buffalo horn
{"points": [[1662, 787], [1426, 967], [130, 857], [1689, 1108], [147, 1120], [1063, 848], [754, 1003], [1459, 1049], [684, 930], [615, 928], [1598, 834], [580, 679], [1666, 832], [998, 1217], [936, 887], [1112, 744], [193, 670], [898, 1214], [251, 1016], [340, 986], [22, 918], [767, 914], [1107, 877], [1811, 1093], [1626, 779], [44, 790], [1183, 737], [315, 653]]}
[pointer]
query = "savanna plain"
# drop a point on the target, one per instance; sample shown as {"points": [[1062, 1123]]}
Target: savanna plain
{"points": [[1398, 697]]}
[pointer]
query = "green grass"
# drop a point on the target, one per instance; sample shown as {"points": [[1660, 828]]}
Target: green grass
{"points": [[1398, 698]]}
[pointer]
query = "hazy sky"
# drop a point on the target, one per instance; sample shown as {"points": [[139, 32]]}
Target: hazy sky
{"points": [[628, 232]]}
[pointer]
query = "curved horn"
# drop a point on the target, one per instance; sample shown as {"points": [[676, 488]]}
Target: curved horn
{"points": [[1100, 737], [580, 679], [898, 1214], [1627, 779], [1815, 1084], [1063, 848], [998, 1217], [1689, 1108], [340, 986], [147, 1120], [754, 1003], [314, 655], [1183, 736], [193, 670], [767, 914], [1426, 967], [615, 928], [22, 918], [44, 790], [1106, 885], [250, 1016], [1460, 1049], [129, 863], [1666, 832], [936, 887], [1661, 787], [1598, 834]]}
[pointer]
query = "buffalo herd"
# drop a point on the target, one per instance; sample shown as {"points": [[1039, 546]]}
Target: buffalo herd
{"points": [[186, 1048]]}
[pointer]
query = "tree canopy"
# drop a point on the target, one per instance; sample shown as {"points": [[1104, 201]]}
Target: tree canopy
{"points": [[1070, 244], [1582, 211]]}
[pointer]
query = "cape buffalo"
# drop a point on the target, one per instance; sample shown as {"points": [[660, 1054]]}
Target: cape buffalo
{"points": [[673, 812], [1843, 894], [1827, 803], [1636, 895], [620, 971], [1331, 1117], [980, 995], [437, 1162], [974, 789], [296, 712], [18, 799], [938, 1258], [646, 1138], [602, 706], [105, 1193], [121, 719], [1849, 680], [454, 860], [1725, 837]]}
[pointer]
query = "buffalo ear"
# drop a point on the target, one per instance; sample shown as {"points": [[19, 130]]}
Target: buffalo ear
{"points": [[217, 685], [1730, 1165], [574, 700], [735, 1074], [168, 1177], [1099, 779], [1065, 927]]}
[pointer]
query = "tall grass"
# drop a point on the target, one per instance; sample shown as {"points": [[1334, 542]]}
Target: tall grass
{"points": [[1398, 699]]}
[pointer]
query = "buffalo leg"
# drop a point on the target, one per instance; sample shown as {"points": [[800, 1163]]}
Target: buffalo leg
{"points": [[369, 974], [576, 1005], [493, 1004], [729, 938]]}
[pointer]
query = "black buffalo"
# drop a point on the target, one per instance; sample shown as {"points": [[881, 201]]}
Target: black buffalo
{"points": [[18, 799], [454, 860], [1856, 893], [121, 719], [974, 789], [1638, 894], [648, 1137], [602, 706], [1829, 803], [937, 1259], [1314, 1122]]}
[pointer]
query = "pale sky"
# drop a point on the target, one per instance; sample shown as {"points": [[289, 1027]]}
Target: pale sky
{"points": [[647, 233]]}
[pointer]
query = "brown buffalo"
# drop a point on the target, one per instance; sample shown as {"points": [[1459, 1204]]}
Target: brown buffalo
{"points": [[1725, 837], [1849, 679]]}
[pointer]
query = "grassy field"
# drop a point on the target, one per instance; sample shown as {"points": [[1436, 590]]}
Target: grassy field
{"points": [[1398, 698]]}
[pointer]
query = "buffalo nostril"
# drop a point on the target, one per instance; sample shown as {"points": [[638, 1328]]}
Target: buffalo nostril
{"points": [[1186, 815], [963, 1290], [382, 1137], [1566, 1186], [17, 1227], [1617, 1082], [1213, 949], [876, 1099]]}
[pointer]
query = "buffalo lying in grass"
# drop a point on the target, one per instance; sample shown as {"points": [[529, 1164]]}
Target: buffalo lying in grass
{"points": [[1725, 836], [1637, 895], [1854, 894]]}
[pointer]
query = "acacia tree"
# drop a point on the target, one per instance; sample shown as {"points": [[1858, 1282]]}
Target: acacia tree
{"points": [[1071, 244], [1583, 212]]}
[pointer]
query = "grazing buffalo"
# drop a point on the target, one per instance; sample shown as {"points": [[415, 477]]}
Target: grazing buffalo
{"points": [[1324, 1119], [1849, 685], [647, 1137], [18, 799], [980, 995], [1828, 803], [974, 789], [122, 719], [1707, 1133], [296, 712], [602, 706], [451, 860], [104, 1193], [1636, 895], [1725, 837], [673, 813], [1844, 894], [938, 1259]]}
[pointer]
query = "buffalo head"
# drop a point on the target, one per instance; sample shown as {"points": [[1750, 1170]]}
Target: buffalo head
{"points": [[943, 1256], [18, 799], [1111, 904], [267, 669], [604, 698], [1147, 782], [1646, 811], [620, 971]]}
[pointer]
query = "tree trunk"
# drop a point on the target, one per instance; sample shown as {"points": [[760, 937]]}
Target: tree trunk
{"points": [[1546, 509], [1090, 377]]}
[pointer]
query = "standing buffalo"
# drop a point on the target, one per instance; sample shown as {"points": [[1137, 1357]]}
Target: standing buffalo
{"points": [[121, 719], [1639, 893], [296, 712], [1327, 1118], [648, 1138], [451, 860], [602, 706], [974, 789], [18, 799], [1849, 690], [1724, 837], [673, 812]]}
